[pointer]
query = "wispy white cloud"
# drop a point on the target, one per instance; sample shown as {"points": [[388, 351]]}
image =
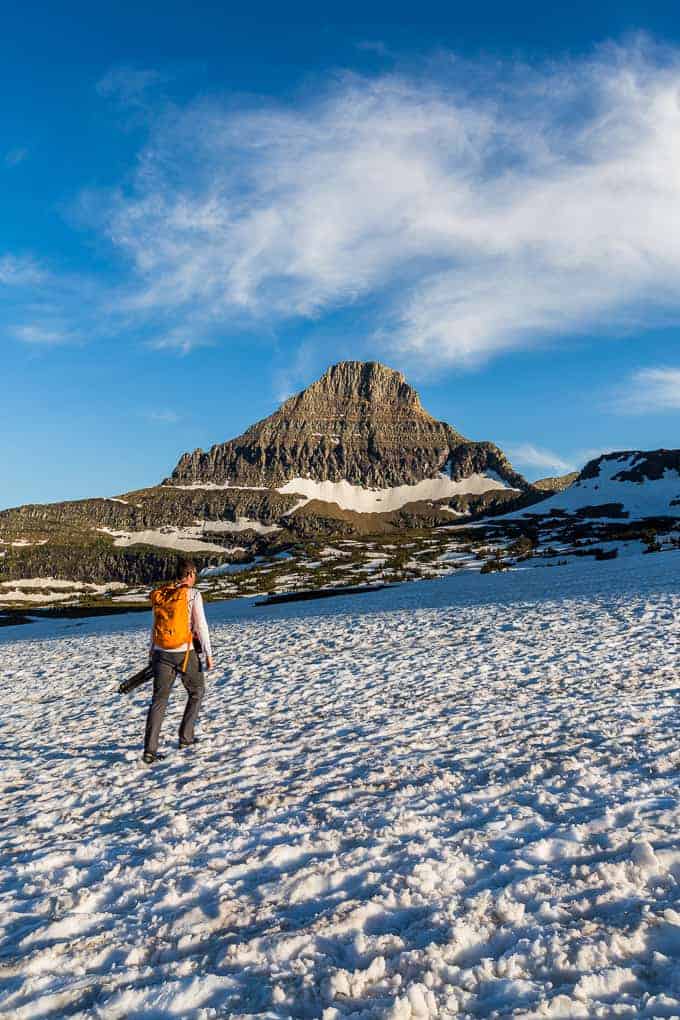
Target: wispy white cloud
{"points": [[16, 271], [38, 307], [182, 340], [582, 456], [41, 306], [649, 390], [376, 46], [42, 335], [129, 86], [462, 212], [478, 210], [163, 417], [13, 157], [530, 456], [537, 460]]}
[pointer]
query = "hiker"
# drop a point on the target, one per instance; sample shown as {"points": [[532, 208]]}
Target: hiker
{"points": [[178, 619]]}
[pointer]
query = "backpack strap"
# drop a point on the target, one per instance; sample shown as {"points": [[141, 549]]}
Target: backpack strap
{"points": [[185, 660]]}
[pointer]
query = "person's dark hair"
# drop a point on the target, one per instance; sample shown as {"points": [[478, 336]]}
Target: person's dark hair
{"points": [[184, 568]]}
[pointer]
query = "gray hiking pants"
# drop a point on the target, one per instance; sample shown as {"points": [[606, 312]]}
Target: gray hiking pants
{"points": [[166, 666]]}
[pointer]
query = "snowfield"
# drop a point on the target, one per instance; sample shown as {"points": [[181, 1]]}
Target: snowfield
{"points": [[456, 798], [362, 500]]}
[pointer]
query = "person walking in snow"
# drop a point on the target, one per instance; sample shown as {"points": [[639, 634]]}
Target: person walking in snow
{"points": [[178, 619]]}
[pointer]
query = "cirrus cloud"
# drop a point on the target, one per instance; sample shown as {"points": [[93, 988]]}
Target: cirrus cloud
{"points": [[650, 390], [129, 86], [461, 212], [42, 335], [475, 210], [13, 157], [532, 456], [20, 271]]}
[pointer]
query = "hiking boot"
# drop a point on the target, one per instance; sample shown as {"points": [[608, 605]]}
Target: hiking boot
{"points": [[187, 743], [149, 757]]}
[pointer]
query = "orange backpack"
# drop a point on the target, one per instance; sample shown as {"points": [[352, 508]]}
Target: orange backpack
{"points": [[171, 620]]}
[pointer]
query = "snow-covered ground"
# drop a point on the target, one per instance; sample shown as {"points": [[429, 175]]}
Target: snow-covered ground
{"points": [[452, 798]]}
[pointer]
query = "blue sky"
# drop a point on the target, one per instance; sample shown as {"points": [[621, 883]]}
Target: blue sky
{"points": [[201, 211]]}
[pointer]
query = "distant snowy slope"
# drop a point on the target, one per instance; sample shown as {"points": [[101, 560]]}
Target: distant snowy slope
{"points": [[643, 484]]}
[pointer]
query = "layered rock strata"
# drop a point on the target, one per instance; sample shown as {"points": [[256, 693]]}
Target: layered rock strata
{"points": [[360, 422]]}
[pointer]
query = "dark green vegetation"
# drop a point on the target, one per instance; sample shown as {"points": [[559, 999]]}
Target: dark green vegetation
{"points": [[12, 617], [321, 593], [68, 540], [80, 540], [358, 560]]}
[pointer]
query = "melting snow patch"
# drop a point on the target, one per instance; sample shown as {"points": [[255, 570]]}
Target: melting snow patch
{"points": [[56, 582], [240, 524], [9, 595], [361, 500], [42, 582], [226, 568], [184, 540], [23, 542]]}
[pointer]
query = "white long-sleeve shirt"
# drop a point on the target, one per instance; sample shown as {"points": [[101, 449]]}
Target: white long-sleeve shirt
{"points": [[199, 626]]}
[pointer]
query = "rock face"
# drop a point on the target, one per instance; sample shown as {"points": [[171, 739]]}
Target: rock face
{"points": [[143, 509], [360, 422], [634, 465], [556, 483], [76, 540]]}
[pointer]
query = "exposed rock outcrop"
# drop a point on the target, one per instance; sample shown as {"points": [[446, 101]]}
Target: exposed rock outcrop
{"points": [[556, 483], [360, 422], [146, 508], [635, 465]]}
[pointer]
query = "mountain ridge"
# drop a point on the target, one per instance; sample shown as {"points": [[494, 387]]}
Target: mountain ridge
{"points": [[353, 455], [360, 422]]}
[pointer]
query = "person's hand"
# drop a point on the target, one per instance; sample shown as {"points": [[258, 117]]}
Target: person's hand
{"points": [[209, 664]]}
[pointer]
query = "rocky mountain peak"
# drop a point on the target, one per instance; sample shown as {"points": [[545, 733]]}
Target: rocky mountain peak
{"points": [[361, 423], [357, 391]]}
